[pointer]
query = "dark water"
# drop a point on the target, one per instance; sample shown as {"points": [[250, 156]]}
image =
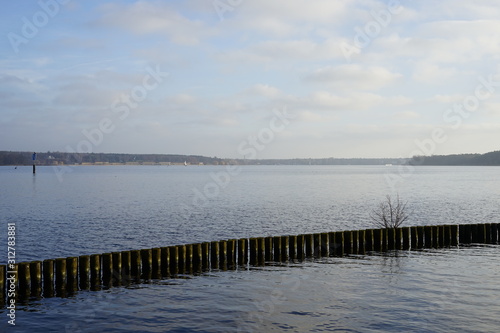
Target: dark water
{"points": [[102, 209]]}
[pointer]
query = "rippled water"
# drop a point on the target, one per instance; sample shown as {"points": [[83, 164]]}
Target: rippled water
{"points": [[103, 209]]}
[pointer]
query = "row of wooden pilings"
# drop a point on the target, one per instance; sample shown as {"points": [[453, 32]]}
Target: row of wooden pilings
{"points": [[63, 277]]}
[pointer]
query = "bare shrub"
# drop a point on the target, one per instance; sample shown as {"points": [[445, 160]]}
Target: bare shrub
{"points": [[390, 213]]}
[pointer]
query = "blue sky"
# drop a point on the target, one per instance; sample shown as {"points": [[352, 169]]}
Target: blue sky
{"points": [[358, 78]]}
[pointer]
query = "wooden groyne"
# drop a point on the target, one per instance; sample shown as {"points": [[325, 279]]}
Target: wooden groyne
{"points": [[63, 277]]}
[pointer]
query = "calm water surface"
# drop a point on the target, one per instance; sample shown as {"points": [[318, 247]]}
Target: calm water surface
{"points": [[101, 209]]}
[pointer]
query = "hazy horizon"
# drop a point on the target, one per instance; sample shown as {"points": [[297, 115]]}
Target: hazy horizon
{"points": [[251, 79]]}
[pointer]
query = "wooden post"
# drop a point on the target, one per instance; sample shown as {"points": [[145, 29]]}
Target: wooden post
{"points": [[317, 245], [165, 261], [385, 239], [482, 233], [261, 248], [428, 236], [331, 244], [189, 259], [242, 251], [3, 286], [494, 233], [156, 263], [377, 240], [406, 238], [355, 241], [174, 259], [277, 249], [413, 237], [223, 254], [268, 252], [48, 277], [454, 235], [84, 272], [369, 240], [61, 277], [285, 246], [181, 258], [197, 258], [24, 280], [214, 255], [135, 265], [253, 251], [126, 268], [420, 237], [300, 247], [339, 243], [36, 278], [72, 274], [487, 227], [325, 244], [292, 247], [107, 269], [361, 241], [231, 253], [205, 255], [440, 237], [398, 233], [391, 239], [348, 242], [309, 241], [465, 233], [116, 274], [446, 235], [146, 263], [95, 271]]}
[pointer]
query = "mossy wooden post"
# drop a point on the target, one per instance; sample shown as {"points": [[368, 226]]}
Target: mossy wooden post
{"points": [[146, 263], [268, 252], [292, 247], [339, 243], [205, 255], [413, 237], [36, 278], [156, 263], [494, 233], [406, 238], [48, 277], [377, 240], [116, 274], [309, 244], [3, 286], [72, 274], [165, 261], [446, 235], [440, 236], [369, 240], [174, 259], [428, 236], [488, 233], [253, 251], [355, 241], [231, 253], [277, 249], [361, 241], [181, 258], [348, 242], [95, 271], [454, 235], [223, 254], [285, 247], [135, 265], [398, 234], [84, 272], [61, 272], [242, 251], [331, 243], [107, 269], [197, 258], [24, 280], [214, 255], [261, 249], [300, 247], [481, 228]]}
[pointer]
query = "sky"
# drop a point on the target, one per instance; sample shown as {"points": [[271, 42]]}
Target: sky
{"points": [[251, 79]]}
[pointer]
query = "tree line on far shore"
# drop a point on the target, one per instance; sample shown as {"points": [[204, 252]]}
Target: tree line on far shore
{"points": [[64, 158]]}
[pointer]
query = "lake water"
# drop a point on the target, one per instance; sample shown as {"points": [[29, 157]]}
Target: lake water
{"points": [[97, 209]]}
